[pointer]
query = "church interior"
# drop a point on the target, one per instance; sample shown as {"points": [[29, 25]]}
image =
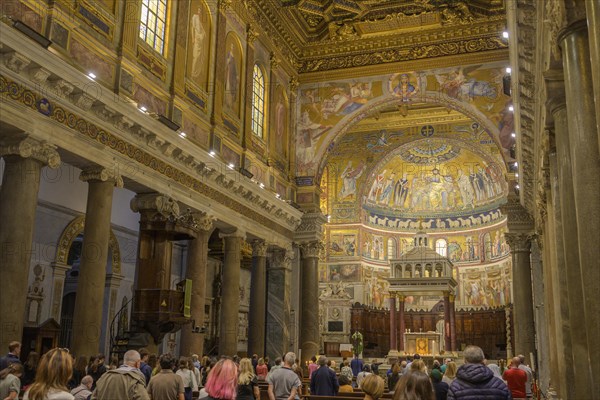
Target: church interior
{"points": [[262, 176]]}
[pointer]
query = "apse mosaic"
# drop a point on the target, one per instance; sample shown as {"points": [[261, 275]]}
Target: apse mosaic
{"points": [[324, 110]]}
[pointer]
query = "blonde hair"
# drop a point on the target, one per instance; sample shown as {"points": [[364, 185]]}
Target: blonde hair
{"points": [[373, 385], [451, 370], [418, 365], [54, 372], [246, 371]]}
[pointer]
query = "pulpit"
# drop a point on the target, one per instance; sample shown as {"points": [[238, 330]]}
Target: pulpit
{"points": [[423, 343]]}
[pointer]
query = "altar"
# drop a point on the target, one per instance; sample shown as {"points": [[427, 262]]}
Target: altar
{"points": [[423, 343]]}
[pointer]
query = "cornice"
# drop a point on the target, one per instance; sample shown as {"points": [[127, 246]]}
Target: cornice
{"points": [[116, 124]]}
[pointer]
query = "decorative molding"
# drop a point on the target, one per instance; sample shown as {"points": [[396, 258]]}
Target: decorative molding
{"points": [[16, 62], [160, 205], [312, 249], [259, 248], [30, 148], [518, 219], [519, 242], [251, 33], [101, 174], [274, 60]]}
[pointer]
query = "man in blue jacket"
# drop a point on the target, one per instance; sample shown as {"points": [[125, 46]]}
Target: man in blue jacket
{"points": [[324, 382], [475, 381]]}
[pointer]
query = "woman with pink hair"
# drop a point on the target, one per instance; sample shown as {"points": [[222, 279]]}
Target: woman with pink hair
{"points": [[222, 381]]}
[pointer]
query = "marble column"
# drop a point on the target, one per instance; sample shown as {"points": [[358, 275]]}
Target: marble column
{"points": [[585, 162], [452, 304], [309, 325], [592, 8], [393, 326], [230, 292], [258, 299], [567, 236], [24, 159], [192, 341], [524, 330], [401, 324], [447, 329], [279, 306], [87, 316]]}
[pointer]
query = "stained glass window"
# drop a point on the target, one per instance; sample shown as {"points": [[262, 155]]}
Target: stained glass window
{"points": [[258, 101], [153, 23]]}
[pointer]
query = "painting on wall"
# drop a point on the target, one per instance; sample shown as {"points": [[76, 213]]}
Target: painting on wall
{"points": [[488, 286], [194, 132], [345, 273], [233, 73], [230, 156], [279, 127], [342, 244], [198, 49]]}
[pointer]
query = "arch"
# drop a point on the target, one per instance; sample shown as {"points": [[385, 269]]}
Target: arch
{"points": [[71, 231], [389, 100], [441, 247]]}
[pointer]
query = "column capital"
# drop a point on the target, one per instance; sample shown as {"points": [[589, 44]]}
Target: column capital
{"points": [[401, 297], [99, 173], [155, 202], [555, 89], [519, 242], [26, 147], [517, 217], [311, 249], [236, 233], [311, 227], [225, 5], [251, 33], [259, 248], [204, 220]]}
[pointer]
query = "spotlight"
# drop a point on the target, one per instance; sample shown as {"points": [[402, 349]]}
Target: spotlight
{"points": [[513, 134], [516, 175], [231, 166], [278, 195], [32, 34], [168, 123], [143, 109], [92, 76], [182, 134], [211, 153], [505, 34], [508, 70], [511, 108], [262, 185], [517, 187]]}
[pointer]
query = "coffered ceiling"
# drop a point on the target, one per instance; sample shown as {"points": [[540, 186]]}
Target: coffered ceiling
{"points": [[326, 35]]}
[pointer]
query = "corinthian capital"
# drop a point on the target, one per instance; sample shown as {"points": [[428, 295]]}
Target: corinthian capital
{"points": [[30, 148], [519, 242], [155, 202], [259, 248], [205, 221], [101, 174], [311, 249]]}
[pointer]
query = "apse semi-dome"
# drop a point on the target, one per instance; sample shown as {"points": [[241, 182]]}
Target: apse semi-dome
{"points": [[436, 184]]}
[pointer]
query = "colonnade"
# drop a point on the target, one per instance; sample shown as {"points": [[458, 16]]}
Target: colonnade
{"points": [[159, 219]]}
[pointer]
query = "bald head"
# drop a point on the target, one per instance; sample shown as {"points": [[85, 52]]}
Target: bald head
{"points": [[516, 361], [132, 358], [87, 381]]}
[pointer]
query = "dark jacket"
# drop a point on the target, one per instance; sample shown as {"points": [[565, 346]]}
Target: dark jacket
{"points": [[441, 390], [324, 382], [7, 360], [477, 382]]}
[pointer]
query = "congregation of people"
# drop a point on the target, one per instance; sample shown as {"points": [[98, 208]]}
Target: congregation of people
{"points": [[58, 375]]}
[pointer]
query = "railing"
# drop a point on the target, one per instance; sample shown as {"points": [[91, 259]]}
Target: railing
{"points": [[116, 340]]}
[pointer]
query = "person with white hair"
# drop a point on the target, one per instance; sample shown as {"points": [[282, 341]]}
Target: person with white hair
{"points": [[284, 382], [125, 382], [83, 391]]}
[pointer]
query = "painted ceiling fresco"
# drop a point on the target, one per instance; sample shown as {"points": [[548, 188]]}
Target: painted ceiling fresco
{"points": [[327, 111]]}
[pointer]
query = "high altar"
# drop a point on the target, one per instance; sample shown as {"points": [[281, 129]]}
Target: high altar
{"points": [[423, 343]]}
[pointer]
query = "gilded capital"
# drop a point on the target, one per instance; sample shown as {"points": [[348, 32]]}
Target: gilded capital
{"points": [[225, 5], [30, 148], [275, 61], [294, 84], [251, 33], [259, 248], [98, 173], [311, 249]]}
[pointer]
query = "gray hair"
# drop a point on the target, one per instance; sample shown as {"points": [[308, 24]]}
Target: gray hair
{"points": [[86, 380], [473, 355], [322, 361], [289, 358], [131, 357]]}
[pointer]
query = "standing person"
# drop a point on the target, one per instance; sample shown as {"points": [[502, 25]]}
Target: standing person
{"points": [[394, 377], [247, 388], [312, 366], [144, 366], [323, 381], [516, 379], [10, 382], [52, 377], [166, 385], [254, 361], [373, 386], [474, 378], [284, 382], [98, 368], [440, 388], [14, 351], [346, 370], [29, 368], [450, 373], [445, 365], [84, 390], [529, 372], [362, 375], [189, 379], [415, 385], [357, 366], [125, 382], [262, 370], [78, 372], [222, 381]]}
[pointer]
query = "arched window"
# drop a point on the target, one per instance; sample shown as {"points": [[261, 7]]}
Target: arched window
{"points": [[441, 247], [391, 248], [153, 24], [258, 101]]}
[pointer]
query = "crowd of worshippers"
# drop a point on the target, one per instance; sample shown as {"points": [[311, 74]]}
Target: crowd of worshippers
{"points": [[59, 375]]}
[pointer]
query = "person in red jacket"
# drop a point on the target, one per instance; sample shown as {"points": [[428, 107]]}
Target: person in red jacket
{"points": [[516, 379]]}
